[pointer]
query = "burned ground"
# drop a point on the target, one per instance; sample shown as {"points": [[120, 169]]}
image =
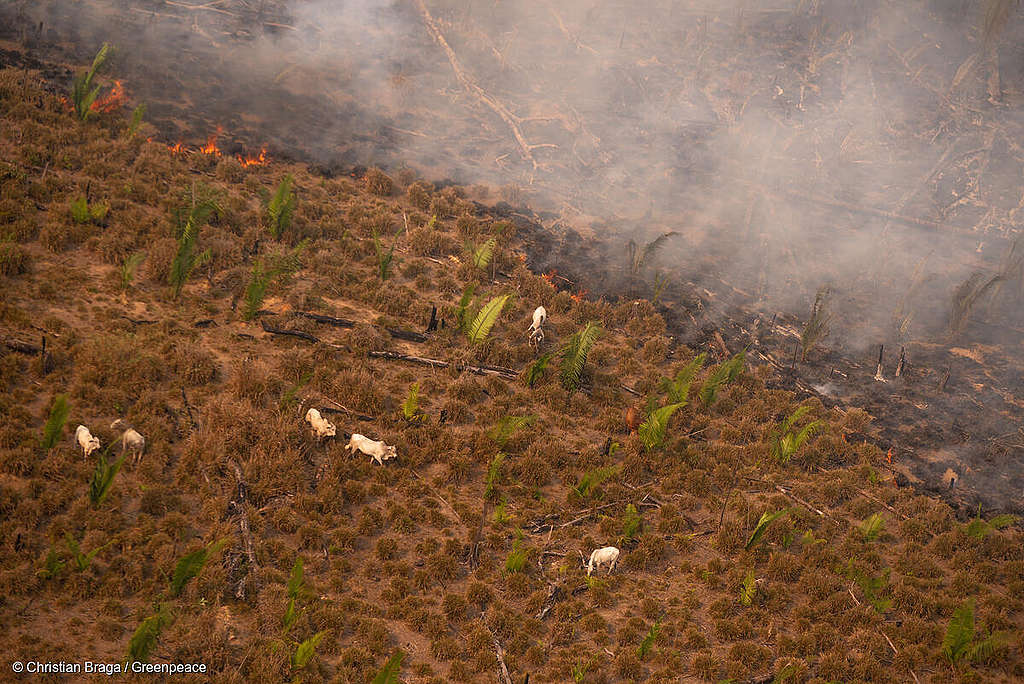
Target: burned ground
{"points": [[452, 548]]}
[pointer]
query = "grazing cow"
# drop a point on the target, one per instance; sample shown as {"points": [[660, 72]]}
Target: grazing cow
{"points": [[321, 426], [131, 440], [535, 330], [85, 440], [608, 555], [378, 450]]}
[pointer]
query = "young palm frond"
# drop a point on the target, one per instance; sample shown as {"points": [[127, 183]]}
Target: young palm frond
{"points": [[961, 643], [201, 205], [384, 259], [871, 586], [678, 390], [817, 326], [726, 372], [516, 560], [980, 528], [762, 527], [574, 356], [648, 642], [536, 370], [483, 254], [508, 425], [295, 589], [411, 406], [281, 207], [389, 673], [463, 310], [103, 477], [493, 475], [52, 565], [82, 560], [83, 93], [652, 430], [265, 272], [59, 412], [593, 478], [127, 270], [748, 589], [147, 634], [481, 326], [192, 564], [871, 527], [785, 442], [83, 211], [305, 651], [638, 256], [136, 121], [632, 521]]}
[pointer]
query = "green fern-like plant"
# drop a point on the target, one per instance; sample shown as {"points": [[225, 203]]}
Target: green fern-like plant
{"points": [[493, 475], [463, 310], [289, 396], [59, 411], [200, 205], [82, 560], [678, 389], [296, 588], [52, 566], [724, 373], [785, 441], [872, 587], [136, 121], [574, 356], [962, 643], [305, 651], [389, 673], [652, 431], [192, 564], [483, 254], [127, 270], [748, 589], [632, 522], [516, 560], [281, 207], [535, 371], [648, 642], [384, 258], [268, 271], [83, 211], [147, 634], [980, 528], [83, 92], [103, 477], [816, 328], [593, 478], [411, 406], [507, 426], [638, 256], [762, 527], [481, 326], [871, 527]]}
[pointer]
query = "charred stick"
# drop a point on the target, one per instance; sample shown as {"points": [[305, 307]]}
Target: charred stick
{"points": [[291, 333], [903, 359]]}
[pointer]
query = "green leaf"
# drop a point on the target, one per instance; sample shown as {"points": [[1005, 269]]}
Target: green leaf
{"points": [[59, 412], [748, 588], [305, 651], [652, 430], [103, 477], [536, 370], [389, 673], [461, 317], [724, 373], [762, 526], [592, 478], [281, 207], [192, 564], [679, 389], [574, 356], [485, 320], [507, 426], [296, 581], [482, 255], [959, 632], [872, 526], [147, 634]]}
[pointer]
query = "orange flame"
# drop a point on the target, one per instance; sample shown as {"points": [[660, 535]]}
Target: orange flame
{"points": [[258, 160], [888, 457], [578, 297], [112, 101], [211, 144], [549, 277], [176, 148]]}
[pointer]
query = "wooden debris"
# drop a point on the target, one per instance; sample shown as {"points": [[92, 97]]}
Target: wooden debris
{"points": [[507, 373], [288, 332], [503, 675], [555, 592], [237, 506]]}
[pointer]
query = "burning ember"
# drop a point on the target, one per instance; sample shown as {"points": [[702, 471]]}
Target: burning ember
{"points": [[259, 160], [211, 144], [549, 277], [176, 148], [112, 101], [578, 297]]}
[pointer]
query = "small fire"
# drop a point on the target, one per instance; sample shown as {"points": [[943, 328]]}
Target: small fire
{"points": [[549, 277], [578, 297], [112, 101], [176, 148], [211, 144], [888, 457], [259, 160]]}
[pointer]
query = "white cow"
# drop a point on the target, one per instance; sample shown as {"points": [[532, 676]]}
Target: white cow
{"points": [[85, 440], [535, 330], [131, 440], [321, 426], [378, 450], [608, 555]]}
